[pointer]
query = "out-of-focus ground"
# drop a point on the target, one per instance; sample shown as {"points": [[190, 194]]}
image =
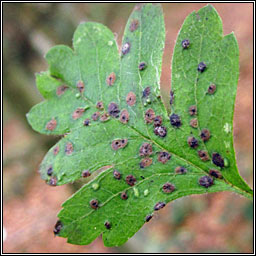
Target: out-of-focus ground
{"points": [[221, 222]]}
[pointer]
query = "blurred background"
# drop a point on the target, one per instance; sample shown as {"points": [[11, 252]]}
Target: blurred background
{"points": [[219, 223]]}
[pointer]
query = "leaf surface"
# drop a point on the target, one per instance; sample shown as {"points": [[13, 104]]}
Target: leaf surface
{"points": [[109, 107]]}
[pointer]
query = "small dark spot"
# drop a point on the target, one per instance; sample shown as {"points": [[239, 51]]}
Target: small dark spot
{"points": [[134, 25], [192, 142], [100, 105], [148, 218], [203, 155], [53, 181], [168, 188], [80, 86], [205, 181], [107, 225], [159, 206], [142, 66], [215, 173], [149, 115], [86, 173], [56, 150], [142, 177], [175, 120], [171, 97], [212, 89], [145, 162], [126, 48], [218, 160], [50, 171], [104, 117], [57, 228], [124, 116], [113, 110], [95, 116], [146, 149], [180, 170], [94, 204], [206, 18], [205, 135], [69, 148], [185, 43], [163, 157], [110, 80], [192, 110], [86, 122], [193, 123], [77, 113], [124, 196], [51, 125], [146, 92], [201, 67], [160, 131], [158, 121], [61, 89], [131, 99], [117, 174], [130, 180], [117, 144]]}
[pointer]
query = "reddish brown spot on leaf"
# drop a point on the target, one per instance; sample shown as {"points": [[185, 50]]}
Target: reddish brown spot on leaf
{"points": [[131, 99], [146, 92], [86, 122], [134, 25], [206, 181], [113, 110], [77, 113], [110, 80], [168, 188], [205, 135], [149, 115], [142, 66], [124, 116], [51, 125], [94, 204], [50, 171], [69, 148], [203, 155], [61, 89], [107, 225], [80, 86], [163, 157], [215, 173], [158, 121], [159, 206], [148, 218], [160, 131], [53, 181], [130, 180], [146, 149], [145, 162], [180, 170], [212, 89], [124, 196], [217, 159], [185, 44], [57, 228], [175, 120], [86, 173], [95, 116], [104, 117], [117, 144], [193, 123], [56, 150], [117, 175], [201, 67], [192, 142], [192, 110], [100, 105]]}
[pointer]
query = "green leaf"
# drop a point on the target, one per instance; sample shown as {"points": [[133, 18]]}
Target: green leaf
{"points": [[109, 107]]}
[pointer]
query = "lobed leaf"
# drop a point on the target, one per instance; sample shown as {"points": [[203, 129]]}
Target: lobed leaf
{"points": [[109, 108]]}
